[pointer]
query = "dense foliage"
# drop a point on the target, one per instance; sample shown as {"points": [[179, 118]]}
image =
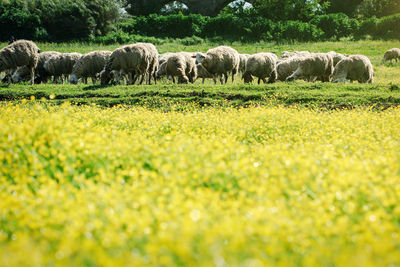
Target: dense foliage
{"points": [[56, 20], [272, 20]]}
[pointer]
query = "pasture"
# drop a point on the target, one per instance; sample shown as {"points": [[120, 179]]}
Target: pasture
{"points": [[285, 174]]}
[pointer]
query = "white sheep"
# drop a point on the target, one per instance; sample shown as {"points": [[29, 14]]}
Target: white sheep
{"points": [[287, 54], [220, 61], [181, 65], [129, 59], [242, 63], [60, 66], [285, 68], [20, 53], [260, 65], [354, 68], [316, 66], [336, 57], [22, 74], [153, 67], [89, 65], [204, 74], [391, 54]]}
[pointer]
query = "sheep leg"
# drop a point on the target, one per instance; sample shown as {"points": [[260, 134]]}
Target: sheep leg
{"points": [[93, 80], [155, 77], [32, 72], [221, 79], [173, 79], [142, 79], [203, 81], [233, 74], [226, 77], [258, 82]]}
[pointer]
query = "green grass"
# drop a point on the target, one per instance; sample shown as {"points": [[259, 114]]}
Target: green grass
{"points": [[166, 95], [384, 92]]}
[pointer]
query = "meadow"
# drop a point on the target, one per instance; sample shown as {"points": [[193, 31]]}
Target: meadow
{"points": [[288, 174]]}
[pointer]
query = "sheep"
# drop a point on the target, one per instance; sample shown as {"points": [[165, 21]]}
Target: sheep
{"points": [[203, 73], [318, 65], [41, 75], [20, 53], [354, 68], [336, 57], [242, 63], [285, 68], [179, 64], [391, 54], [261, 65], [61, 65], [287, 54], [153, 53], [88, 66], [163, 57], [220, 61], [132, 58]]}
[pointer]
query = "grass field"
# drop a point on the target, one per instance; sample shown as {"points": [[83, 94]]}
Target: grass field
{"points": [[383, 93], [288, 174]]}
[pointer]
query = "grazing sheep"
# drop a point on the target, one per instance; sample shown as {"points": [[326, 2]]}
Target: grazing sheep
{"points": [[391, 54], [242, 63], [20, 53], [179, 64], [153, 67], [220, 61], [163, 57], [261, 65], [204, 74], [287, 54], [41, 75], [128, 59], [61, 65], [316, 66], [285, 68], [336, 57], [89, 66], [354, 68]]}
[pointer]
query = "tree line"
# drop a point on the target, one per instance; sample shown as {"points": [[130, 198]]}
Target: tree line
{"points": [[269, 20]]}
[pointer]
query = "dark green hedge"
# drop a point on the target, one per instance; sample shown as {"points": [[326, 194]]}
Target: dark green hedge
{"points": [[64, 20], [56, 20]]}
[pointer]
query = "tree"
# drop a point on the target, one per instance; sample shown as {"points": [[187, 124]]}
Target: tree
{"points": [[348, 7], [289, 9], [378, 8]]}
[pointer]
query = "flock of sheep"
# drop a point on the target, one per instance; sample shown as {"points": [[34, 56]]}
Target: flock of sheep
{"points": [[23, 61]]}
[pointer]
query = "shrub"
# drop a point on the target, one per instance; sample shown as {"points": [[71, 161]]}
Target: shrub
{"points": [[16, 19], [367, 27], [335, 25], [388, 27], [297, 31], [175, 26]]}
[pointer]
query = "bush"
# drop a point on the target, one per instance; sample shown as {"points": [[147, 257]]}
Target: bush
{"points": [[16, 19], [297, 31], [383, 28], [388, 27], [335, 26], [367, 27], [174, 26], [56, 20]]}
